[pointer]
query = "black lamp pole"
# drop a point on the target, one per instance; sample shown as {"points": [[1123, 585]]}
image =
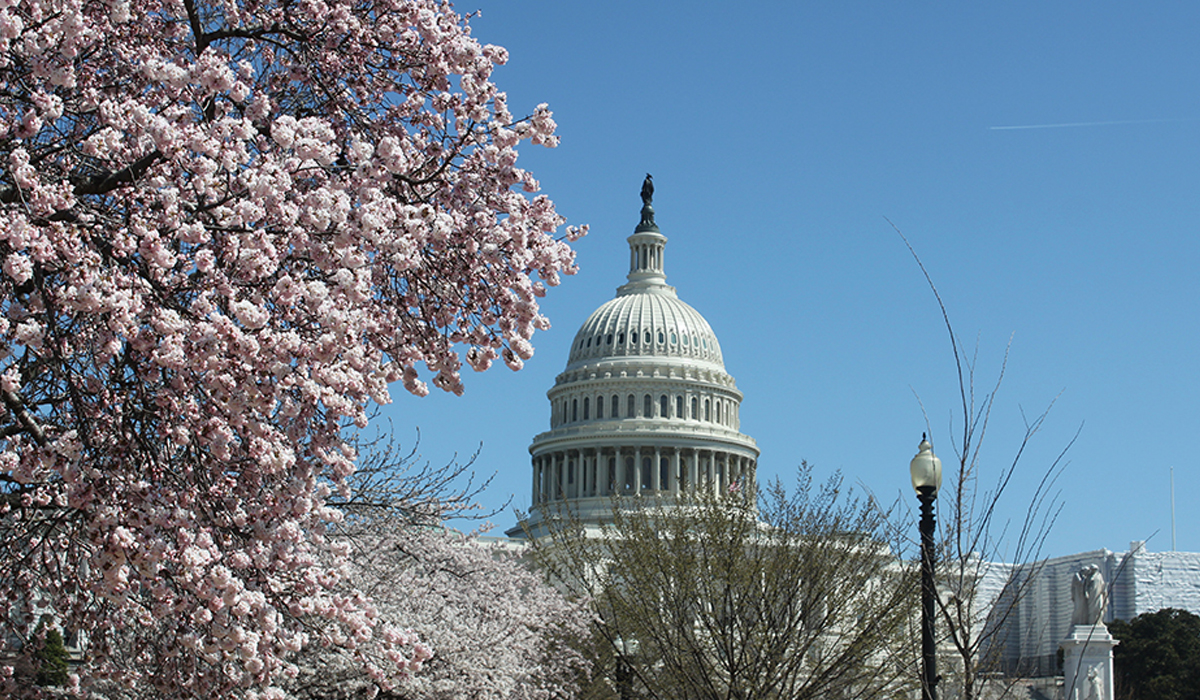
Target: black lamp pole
{"points": [[927, 495], [926, 471]]}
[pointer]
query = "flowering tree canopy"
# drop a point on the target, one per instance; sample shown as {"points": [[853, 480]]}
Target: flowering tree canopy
{"points": [[225, 229], [495, 627]]}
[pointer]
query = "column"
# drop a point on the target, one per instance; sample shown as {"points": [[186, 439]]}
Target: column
{"points": [[537, 480], [674, 473], [637, 471], [656, 471], [694, 472]]}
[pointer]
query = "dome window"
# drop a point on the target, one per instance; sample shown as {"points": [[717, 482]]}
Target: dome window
{"points": [[598, 340], [574, 409], [647, 407], [599, 407], [708, 410], [586, 402], [633, 337], [609, 341], [679, 407], [629, 407], [589, 342], [662, 406], [661, 338], [685, 339], [616, 407], [695, 405], [674, 339], [621, 338]]}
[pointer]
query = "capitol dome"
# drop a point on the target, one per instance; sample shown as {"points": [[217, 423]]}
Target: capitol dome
{"points": [[644, 407]]}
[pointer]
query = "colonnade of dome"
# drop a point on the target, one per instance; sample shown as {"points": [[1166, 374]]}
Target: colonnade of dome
{"points": [[644, 406]]}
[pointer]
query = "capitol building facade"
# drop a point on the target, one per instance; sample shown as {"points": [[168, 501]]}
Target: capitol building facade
{"points": [[644, 407]]}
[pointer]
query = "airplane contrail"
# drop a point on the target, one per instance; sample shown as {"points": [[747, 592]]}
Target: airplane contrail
{"points": [[1061, 126]]}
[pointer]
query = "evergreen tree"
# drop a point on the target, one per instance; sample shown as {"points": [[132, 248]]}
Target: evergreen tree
{"points": [[1158, 657], [51, 659]]}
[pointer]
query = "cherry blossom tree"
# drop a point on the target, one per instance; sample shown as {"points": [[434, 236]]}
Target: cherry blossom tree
{"points": [[494, 626], [226, 228]]}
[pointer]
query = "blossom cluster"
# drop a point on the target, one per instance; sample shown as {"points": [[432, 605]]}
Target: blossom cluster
{"points": [[496, 628], [226, 228]]}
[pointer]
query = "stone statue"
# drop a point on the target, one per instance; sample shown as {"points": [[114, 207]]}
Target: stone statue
{"points": [[647, 189], [1095, 686], [1087, 593]]}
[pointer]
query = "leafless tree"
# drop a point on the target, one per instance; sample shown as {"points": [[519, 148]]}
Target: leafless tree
{"points": [[986, 563], [728, 596]]}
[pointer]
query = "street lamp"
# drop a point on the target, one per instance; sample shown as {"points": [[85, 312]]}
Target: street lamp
{"points": [[625, 648], [926, 471]]}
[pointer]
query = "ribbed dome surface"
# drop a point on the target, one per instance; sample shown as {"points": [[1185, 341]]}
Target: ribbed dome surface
{"points": [[646, 323]]}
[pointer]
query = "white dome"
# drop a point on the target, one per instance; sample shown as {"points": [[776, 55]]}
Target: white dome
{"points": [[650, 325], [644, 407]]}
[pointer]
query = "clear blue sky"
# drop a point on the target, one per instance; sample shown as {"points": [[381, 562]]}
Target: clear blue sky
{"points": [[780, 137]]}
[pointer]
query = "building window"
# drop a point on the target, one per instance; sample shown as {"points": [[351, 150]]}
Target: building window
{"points": [[574, 410], [718, 411], [673, 338], [679, 407], [616, 407], [585, 408], [662, 406], [564, 412], [599, 407], [608, 340], [621, 338], [661, 338], [647, 409], [647, 464], [708, 410], [633, 337], [629, 407], [695, 404]]}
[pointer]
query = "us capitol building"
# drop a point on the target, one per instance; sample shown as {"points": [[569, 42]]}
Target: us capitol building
{"points": [[644, 407]]}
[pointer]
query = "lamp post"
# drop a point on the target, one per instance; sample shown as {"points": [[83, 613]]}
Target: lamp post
{"points": [[625, 648], [926, 471]]}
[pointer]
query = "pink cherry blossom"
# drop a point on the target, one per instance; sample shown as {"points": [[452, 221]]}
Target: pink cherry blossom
{"points": [[226, 229]]}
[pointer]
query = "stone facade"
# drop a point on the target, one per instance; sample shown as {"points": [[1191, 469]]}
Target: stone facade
{"points": [[1139, 581]]}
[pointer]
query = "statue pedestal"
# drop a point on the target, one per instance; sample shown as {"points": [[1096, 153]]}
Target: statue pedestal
{"points": [[1088, 663]]}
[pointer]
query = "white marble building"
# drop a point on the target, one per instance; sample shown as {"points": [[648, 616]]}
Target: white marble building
{"points": [[1138, 581], [644, 406]]}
